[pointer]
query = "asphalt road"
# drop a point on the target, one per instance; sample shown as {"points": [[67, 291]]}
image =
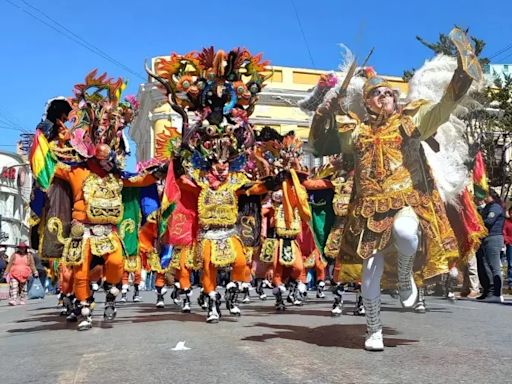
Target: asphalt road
{"points": [[458, 342]]}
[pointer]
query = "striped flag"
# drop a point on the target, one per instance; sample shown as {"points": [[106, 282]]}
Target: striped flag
{"points": [[42, 162], [171, 195], [480, 181]]}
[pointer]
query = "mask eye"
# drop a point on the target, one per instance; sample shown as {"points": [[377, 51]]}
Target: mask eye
{"points": [[254, 88], [211, 130], [228, 130]]}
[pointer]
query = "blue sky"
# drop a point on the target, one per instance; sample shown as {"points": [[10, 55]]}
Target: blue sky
{"points": [[42, 58]]}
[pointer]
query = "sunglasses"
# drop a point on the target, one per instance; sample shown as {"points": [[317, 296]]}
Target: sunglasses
{"points": [[379, 92]]}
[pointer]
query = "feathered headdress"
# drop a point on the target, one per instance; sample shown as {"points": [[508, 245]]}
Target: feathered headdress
{"points": [[99, 117], [221, 89]]}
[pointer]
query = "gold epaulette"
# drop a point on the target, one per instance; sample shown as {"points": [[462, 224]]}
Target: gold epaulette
{"points": [[347, 122]]}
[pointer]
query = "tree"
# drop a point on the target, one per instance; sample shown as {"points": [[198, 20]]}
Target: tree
{"points": [[490, 122], [445, 46]]}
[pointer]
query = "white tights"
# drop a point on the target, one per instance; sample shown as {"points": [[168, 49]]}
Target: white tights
{"points": [[405, 240]]}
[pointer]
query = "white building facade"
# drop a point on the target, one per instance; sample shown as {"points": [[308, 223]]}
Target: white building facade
{"points": [[15, 189]]}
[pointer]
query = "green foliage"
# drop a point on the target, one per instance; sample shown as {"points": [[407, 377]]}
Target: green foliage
{"points": [[445, 46]]}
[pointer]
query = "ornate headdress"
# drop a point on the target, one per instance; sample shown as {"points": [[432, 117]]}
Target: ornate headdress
{"points": [[99, 117], [222, 90], [373, 81]]}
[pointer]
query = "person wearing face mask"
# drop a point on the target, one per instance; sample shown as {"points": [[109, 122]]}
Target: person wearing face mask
{"points": [[396, 206], [489, 264]]}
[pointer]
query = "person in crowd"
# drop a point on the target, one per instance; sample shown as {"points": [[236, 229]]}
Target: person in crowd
{"points": [[21, 266], [489, 263], [507, 237], [3, 262]]}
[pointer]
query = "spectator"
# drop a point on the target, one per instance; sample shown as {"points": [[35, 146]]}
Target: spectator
{"points": [[41, 270], [507, 237], [3, 262], [489, 252], [470, 284], [20, 267]]}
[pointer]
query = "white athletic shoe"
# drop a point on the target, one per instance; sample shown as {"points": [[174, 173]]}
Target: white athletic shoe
{"points": [[336, 311], [374, 342]]}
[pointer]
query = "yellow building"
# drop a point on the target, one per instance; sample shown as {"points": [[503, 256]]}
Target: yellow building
{"points": [[276, 107]]}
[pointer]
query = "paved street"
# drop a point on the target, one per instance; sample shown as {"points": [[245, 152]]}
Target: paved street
{"points": [[456, 342]]}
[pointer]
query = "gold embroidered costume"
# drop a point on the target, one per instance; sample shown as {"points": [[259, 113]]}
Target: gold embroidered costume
{"points": [[217, 214], [391, 173]]}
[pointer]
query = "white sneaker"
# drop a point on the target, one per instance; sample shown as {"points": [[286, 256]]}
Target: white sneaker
{"points": [[160, 304], [235, 311], [336, 311], [213, 318], [246, 300], [359, 311], [85, 324], [185, 308], [374, 342], [420, 307], [263, 296]]}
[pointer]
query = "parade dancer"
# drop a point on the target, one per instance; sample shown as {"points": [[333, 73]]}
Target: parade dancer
{"points": [[395, 198], [98, 147], [211, 84]]}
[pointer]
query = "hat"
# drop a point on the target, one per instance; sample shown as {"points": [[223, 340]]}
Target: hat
{"points": [[22, 244], [373, 81]]}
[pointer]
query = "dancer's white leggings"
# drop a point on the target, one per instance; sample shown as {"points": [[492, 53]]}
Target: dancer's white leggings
{"points": [[405, 240]]}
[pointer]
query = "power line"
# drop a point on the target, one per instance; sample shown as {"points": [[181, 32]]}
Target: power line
{"points": [[303, 34], [11, 123], [506, 57], [66, 32], [499, 52]]}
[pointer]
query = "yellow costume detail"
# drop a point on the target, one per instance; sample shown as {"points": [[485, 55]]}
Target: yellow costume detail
{"points": [[219, 207], [281, 229], [390, 175], [103, 199], [132, 264]]}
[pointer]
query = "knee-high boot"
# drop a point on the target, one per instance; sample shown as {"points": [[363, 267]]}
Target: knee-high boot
{"points": [[406, 286], [213, 307], [337, 306], [373, 340]]}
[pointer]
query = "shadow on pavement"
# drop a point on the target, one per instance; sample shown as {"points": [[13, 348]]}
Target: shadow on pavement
{"points": [[144, 314], [338, 335]]}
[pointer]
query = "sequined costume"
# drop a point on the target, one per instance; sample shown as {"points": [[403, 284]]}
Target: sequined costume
{"points": [[89, 157], [395, 197]]}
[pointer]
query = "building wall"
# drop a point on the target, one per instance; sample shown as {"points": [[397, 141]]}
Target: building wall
{"points": [[276, 107], [493, 70], [15, 189]]}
